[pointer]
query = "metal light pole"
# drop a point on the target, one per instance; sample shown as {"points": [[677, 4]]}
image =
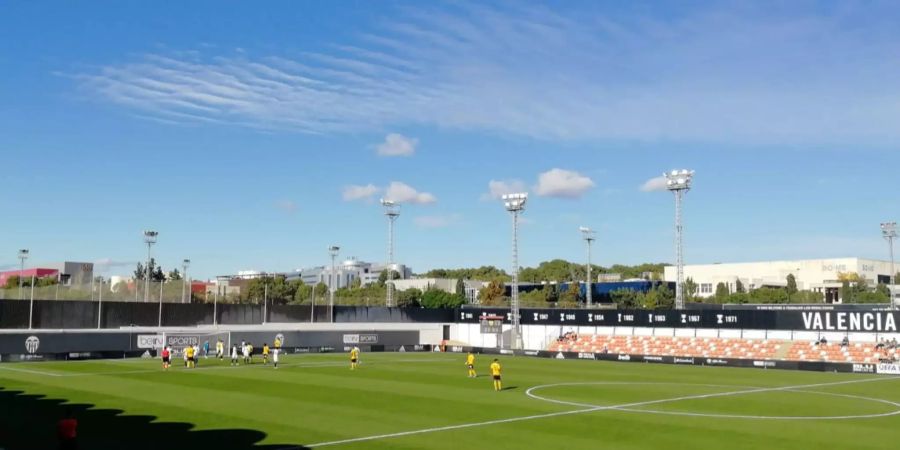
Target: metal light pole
{"points": [[23, 255], [100, 302], [333, 251], [149, 239], [515, 204], [392, 211], [679, 182], [184, 268], [588, 235], [889, 231]]}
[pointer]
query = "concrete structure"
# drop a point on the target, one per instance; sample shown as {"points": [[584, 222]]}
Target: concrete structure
{"points": [[817, 275], [70, 273], [422, 284]]}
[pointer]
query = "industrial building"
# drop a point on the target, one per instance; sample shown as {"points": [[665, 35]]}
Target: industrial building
{"points": [[68, 273], [817, 275]]}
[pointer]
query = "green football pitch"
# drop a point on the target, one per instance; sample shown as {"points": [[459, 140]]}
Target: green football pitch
{"points": [[425, 401]]}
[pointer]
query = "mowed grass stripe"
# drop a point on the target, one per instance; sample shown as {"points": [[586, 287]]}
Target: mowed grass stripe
{"points": [[395, 393]]}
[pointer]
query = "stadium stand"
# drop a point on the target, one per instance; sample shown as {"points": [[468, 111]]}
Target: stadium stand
{"points": [[723, 348]]}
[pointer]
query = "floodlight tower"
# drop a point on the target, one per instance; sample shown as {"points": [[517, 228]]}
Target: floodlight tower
{"points": [[184, 279], [679, 182], [889, 231], [149, 239], [392, 211], [333, 251], [588, 235], [23, 255], [515, 204]]}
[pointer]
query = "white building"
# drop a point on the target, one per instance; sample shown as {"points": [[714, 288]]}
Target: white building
{"points": [[817, 275], [348, 271]]}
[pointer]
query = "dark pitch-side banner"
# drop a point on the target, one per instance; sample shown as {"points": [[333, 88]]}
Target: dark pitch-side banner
{"points": [[842, 321]]}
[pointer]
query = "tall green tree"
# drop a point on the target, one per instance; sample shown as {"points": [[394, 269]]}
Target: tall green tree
{"points": [[493, 294], [174, 275], [739, 286], [721, 291], [690, 289], [791, 285]]}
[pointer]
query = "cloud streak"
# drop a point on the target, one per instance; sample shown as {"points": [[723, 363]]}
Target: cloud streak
{"points": [[562, 183], [404, 193], [731, 73], [397, 145], [359, 192], [654, 184]]}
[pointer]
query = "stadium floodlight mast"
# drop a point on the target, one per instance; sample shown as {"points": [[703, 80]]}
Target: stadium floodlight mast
{"points": [[333, 251], [588, 235], [184, 280], [515, 204], [23, 255], [149, 239], [889, 231], [392, 211], [679, 182]]}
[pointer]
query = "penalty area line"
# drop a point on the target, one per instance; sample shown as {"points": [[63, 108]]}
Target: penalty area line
{"points": [[590, 408]]}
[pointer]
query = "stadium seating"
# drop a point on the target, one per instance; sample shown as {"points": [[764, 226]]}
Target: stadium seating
{"points": [[723, 348], [673, 346], [855, 352]]}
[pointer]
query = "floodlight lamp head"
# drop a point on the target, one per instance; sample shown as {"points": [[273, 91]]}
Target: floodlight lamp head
{"points": [[23, 253], [889, 229], [334, 249], [150, 236], [679, 180], [515, 202], [584, 229], [186, 262]]}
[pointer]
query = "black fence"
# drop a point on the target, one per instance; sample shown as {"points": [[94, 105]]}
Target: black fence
{"points": [[14, 314]]}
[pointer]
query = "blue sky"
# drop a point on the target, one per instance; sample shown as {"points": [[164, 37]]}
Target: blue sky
{"points": [[252, 137]]}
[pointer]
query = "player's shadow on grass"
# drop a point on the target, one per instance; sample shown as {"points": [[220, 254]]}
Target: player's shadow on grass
{"points": [[29, 422], [509, 388]]}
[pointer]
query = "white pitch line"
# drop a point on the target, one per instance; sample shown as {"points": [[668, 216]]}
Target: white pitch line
{"points": [[243, 366], [578, 411], [31, 371]]}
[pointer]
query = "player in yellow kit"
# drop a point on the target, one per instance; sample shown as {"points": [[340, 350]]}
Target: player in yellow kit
{"points": [[354, 358], [189, 351], [470, 364], [495, 373], [265, 353]]}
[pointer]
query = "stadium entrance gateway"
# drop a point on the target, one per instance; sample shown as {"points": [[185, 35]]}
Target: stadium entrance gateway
{"points": [[493, 324]]}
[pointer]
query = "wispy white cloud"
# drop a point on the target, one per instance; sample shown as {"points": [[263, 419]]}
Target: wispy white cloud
{"points": [[654, 184], [437, 221], [562, 183], [106, 264], [729, 73], [359, 192], [397, 145], [288, 206], [499, 188], [404, 193]]}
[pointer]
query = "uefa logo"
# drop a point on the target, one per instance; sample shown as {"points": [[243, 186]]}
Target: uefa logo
{"points": [[32, 344]]}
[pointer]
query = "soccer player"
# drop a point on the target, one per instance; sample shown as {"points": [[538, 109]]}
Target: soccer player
{"points": [[67, 431], [470, 364], [165, 358], [196, 354], [220, 349], [495, 372], [275, 353], [245, 349], [189, 354], [354, 358], [277, 343], [206, 349], [265, 353], [234, 355], [184, 355]]}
